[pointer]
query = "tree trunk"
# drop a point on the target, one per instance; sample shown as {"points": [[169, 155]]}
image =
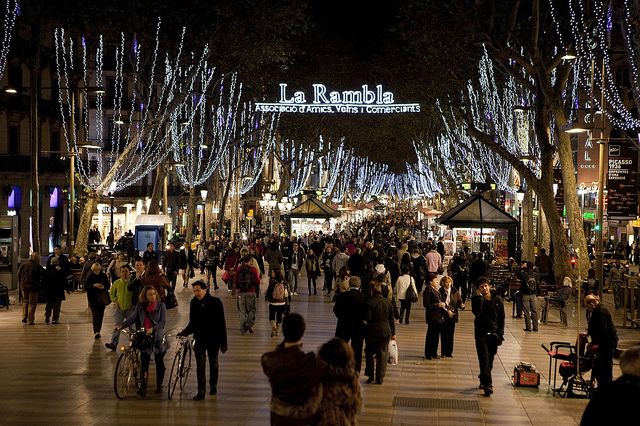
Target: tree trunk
{"points": [[158, 187], [544, 235], [223, 202], [34, 130], [85, 222], [191, 214], [527, 225], [574, 215]]}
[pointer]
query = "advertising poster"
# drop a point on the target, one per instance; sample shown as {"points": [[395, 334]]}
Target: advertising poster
{"points": [[501, 241], [622, 182]]}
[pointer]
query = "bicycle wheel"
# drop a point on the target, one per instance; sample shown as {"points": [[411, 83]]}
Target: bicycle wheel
{"points": [[137, 373], [174, 377], [122, 375], [185, 366]]}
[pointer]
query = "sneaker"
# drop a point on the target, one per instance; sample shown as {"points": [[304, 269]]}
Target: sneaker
{"points": [[248, 327], [110, 346], [488, 390], [295, 293], [213, 391], [55, 322], [199, 397]]}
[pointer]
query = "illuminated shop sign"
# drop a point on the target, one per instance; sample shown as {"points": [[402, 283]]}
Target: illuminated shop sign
{"points": [[321, 101]]}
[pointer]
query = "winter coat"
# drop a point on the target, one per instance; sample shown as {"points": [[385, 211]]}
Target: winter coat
{"points": [[341, 402], [92, 291], [434, 314], [160, 317], [206, 322], [30, 274]]}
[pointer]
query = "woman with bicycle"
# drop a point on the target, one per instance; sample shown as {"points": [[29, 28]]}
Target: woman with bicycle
{"points": [[151, 315]]}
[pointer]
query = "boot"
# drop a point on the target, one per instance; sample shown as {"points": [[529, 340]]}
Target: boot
{"points": [[273, 327], [143, 384], [159, 381], [278, 329]]}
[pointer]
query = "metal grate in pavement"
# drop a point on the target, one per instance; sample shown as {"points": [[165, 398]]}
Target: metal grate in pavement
{"points": [[435, 403]]}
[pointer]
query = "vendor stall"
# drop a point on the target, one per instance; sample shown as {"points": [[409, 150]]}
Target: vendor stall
{"points": [[483, 226], [312, 215]]}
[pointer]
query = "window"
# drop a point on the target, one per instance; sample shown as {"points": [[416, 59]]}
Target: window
{"points": [[14, 140], [55, 141], [15, 77]]}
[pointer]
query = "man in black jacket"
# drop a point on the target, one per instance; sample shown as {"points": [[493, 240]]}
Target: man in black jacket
{"points": [[349, 309], [357, 264], [488, 309], [615, 404], [206, 322], [604, 334], [477, 269]]}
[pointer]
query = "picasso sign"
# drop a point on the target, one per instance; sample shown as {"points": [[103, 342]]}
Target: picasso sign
{"points": [[365, 101]]}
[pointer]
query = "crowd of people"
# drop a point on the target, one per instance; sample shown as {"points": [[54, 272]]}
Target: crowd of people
{"points": [[373, 270]]}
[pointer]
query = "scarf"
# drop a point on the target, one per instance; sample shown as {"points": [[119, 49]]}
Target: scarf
{"points": [[150, 311]]}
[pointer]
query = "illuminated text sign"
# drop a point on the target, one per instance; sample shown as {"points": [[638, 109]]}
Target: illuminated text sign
{"points": [[321, 101]]}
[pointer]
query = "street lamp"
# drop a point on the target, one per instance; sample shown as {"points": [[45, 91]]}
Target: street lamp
{"points": [[203, 194], [112, 189]]}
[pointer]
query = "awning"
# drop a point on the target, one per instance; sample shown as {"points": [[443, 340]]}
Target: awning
{"points": [[153, 220], [313, 208], [477, 212]]}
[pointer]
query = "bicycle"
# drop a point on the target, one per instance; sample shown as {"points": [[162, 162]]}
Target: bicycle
{"points": [[181, 364], [127, 368]]}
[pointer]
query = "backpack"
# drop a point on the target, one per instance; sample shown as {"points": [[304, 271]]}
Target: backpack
{"points": [[532, 284], [461, 269], [245, 278], [278, 293]]}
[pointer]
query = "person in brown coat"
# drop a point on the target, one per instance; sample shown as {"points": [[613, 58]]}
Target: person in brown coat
{"points": [[341, 398], [154, 278], [29, 276]]}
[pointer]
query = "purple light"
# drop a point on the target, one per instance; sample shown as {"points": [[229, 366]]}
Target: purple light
{"points": [[54, 199], [84, 42], [15, 198]]}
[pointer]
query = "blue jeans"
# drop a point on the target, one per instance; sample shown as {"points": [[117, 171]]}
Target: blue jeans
{"points": [[119, 316], [246, 309], [292, 276]]}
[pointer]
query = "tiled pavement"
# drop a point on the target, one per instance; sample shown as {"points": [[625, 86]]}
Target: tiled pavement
{"points": [[58, 374]]}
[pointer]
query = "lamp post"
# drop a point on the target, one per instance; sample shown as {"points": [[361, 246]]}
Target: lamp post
{"points": [[112, 189], [203, 194], [520, 198]]}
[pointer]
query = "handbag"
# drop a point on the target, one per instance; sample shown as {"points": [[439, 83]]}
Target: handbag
{"points": [[393, 352], [141, 340], [103, 298], [171, 301], [411, 295]]}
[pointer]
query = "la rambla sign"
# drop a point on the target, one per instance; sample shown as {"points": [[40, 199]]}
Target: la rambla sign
{"points": [[321, 101]]}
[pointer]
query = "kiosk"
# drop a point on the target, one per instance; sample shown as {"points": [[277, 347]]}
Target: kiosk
{"points": [[9, 251], [150, 228]]}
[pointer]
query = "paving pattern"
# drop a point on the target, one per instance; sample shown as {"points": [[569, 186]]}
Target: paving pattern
{"points": [[58, 374]]}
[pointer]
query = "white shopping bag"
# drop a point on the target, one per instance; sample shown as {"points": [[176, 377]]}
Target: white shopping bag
{"points": [[393, 352]]}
